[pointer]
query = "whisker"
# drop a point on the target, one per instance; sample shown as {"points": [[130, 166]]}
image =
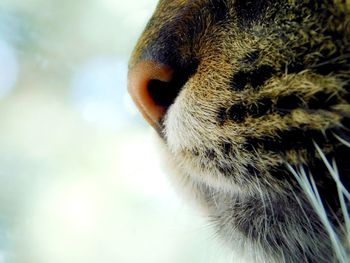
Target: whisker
{"points": [[344, 56]]}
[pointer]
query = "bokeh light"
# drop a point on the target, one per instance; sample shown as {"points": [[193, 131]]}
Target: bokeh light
{"points": [[99, 92], [80, 173], [8, 68]]}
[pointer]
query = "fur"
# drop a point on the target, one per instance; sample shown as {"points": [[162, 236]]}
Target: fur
{"points": [[258, 131]]}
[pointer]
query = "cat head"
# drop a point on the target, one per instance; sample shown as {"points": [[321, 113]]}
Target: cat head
{"points": [[243, 92]]}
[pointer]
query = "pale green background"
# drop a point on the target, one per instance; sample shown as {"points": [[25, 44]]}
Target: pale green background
{"points": [[80, 180]]}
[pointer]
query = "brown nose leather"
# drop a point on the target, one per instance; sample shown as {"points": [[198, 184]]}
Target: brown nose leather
{"points": [[139, 78]]}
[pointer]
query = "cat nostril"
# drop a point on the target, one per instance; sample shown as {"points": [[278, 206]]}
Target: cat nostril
{"points": [[149, 84]]}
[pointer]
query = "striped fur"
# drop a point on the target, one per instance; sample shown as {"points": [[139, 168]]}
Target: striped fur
{"points": [[257, 130]]}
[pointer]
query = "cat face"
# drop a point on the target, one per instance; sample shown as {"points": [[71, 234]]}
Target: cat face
{"points": [[239, 92]]}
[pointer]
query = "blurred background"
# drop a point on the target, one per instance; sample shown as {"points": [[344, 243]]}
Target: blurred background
{"points": [[80, 179]]}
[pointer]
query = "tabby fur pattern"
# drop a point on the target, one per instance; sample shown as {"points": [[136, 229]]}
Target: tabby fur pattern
{"points": [[257, 120]]}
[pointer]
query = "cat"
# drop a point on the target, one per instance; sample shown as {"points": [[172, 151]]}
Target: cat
{"points": [[251, 103]]}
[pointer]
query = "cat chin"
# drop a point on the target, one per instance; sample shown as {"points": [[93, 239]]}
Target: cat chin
{"points": [[215, 194], [188, 176]]}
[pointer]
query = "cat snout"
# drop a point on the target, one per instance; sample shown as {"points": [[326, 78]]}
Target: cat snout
{"points": [[151, 88]]}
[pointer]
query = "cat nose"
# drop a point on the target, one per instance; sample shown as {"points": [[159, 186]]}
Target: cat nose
{"points": [[149, 84]]}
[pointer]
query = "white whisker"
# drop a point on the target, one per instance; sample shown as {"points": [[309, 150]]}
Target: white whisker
{"points": [[342, 140], [309, 187]]}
